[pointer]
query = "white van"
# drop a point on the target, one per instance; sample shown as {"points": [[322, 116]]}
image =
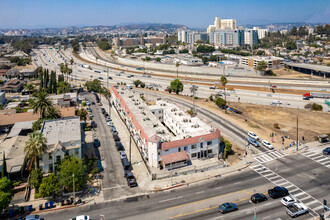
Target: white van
{"points": [[129, 87], [274, 102]]}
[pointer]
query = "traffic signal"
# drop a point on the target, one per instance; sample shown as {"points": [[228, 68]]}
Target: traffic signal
{"points": [[324, 202]]}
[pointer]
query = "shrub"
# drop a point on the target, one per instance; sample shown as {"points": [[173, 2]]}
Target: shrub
{"points": [[17, 183], [196, 97], [83, 104], [95, 171], [276, 125], [190, 111], [211, 98], [220, 102], [227, 149], [317, 107], [308, 106]]}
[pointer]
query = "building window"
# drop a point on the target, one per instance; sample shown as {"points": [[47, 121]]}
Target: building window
{"points": [[166, 150], [179, 149], [209, 151], [209, 143], [193, 146], [58, 158], [185, 148], [76, 151], [193, 155], [50, 168], [50, 156], [201, 145]]}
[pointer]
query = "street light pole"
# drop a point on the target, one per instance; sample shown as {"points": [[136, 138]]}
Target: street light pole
{"points": [[171, 174], [74, 196]]}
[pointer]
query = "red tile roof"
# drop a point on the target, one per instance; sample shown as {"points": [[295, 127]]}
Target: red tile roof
{"points": [[189, 141], [174, 157]]}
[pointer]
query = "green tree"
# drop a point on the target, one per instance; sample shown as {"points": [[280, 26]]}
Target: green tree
{"points": [[49, 185], [158, 59], [94, 85], [42, 104], [262, 66], [4, 166], [137, 83], [147, 59], [294, 31], [227, 149], [29, 87], [35, 146], [177, 86], [104, 44], [5, 194], [63, 87], [220, 102], [35, 178], [291, 45], [53, 113], [169, 89], [224, 81], [82, 113], [69, 166]]}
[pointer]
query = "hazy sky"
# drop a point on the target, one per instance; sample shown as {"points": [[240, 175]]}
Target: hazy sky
{"points": [[193, 13]]}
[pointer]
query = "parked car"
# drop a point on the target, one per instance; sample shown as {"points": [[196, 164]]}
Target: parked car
{"points": [[267, 144], [253, 135], [108, 118], [212, 87], [81, 217], [33, 217], [89, 109], [274, 102], [288, 200], [103, 110], [119, 146], [131, 181], [97, 142], [110, 77], [100, 78], [93, 103], [126, 164], [116, 137], [253, 142], [326, 151], [109, 123], [306, 98], [258, 197], [296, 209], [227, 207], [93, 124], [122, 154], [277, 192]]}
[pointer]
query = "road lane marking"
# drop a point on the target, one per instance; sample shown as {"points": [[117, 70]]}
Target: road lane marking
{"points": [[190, 213], [218, 187], [199, 192], [203, 200], [170, 199]]}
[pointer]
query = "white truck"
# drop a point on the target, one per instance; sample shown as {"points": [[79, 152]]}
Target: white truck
{"points": [[320, 95], [85, 66], [296, 209]]}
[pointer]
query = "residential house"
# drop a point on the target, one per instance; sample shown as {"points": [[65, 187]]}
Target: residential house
{"points": [[14, 85]]}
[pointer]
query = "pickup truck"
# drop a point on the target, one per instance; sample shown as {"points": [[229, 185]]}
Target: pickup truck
{"points": [[277, 192], [296, 209]]}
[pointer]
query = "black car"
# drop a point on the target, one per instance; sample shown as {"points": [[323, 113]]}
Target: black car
{"points": [[258, 197], [93, 103], [116, 137], [278, 192], [119, 145], [103, 111], [306, 98], [131, 181], [326, 151]]}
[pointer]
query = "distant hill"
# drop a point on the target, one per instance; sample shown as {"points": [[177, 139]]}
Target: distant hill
{"points": [[282, 26]]}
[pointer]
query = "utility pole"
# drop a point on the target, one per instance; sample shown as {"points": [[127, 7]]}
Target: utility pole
{"points": [[74, 196], [130, 147], [171, 174], [297, 131]]}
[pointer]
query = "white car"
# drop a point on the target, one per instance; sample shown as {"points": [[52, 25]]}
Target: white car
{"points": [[296, 209], [122, 154], [267, 144], [274, 102], [81, 217], [288, 200], [109, 123], [253, 135]]}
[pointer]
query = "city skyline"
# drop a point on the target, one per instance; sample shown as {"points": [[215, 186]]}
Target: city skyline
{"points": [[40, 14]]}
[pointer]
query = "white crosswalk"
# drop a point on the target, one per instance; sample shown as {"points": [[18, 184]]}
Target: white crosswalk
{"points": [[302, 196], [268, 156], [317, 157]]}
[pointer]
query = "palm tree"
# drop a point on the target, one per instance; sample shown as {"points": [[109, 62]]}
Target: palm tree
{"points": [[42, 104], [193, 90], [53, 113], [35, 146], [223, 81], [177, 64], [29, 87], [71, 62], [82, 113]]}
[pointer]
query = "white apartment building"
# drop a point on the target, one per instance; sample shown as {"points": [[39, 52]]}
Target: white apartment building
{"points": [[272, 62], [63, 138], [262, 33], [221, 24], [167, 136], [190, 37], [250, 37]]}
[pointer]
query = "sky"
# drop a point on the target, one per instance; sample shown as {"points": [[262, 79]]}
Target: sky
{"points": [[193, 13]]}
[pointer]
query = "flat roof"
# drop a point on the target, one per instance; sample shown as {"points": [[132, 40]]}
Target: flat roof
{"points": [[14, 152], [63, 130]]}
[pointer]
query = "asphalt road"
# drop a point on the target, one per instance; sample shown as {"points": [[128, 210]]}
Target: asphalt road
{"points": [[114, 185]]}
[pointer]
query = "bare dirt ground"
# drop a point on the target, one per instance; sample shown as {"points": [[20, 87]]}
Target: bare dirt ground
{"points": [[288, 73]]}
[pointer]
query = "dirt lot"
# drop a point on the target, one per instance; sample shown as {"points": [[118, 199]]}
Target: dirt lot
{"points": [[260, 119], [288, 73]]}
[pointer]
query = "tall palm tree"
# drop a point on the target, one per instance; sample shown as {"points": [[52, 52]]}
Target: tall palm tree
{"points": [[35, 146], [177, 64], [42, 105], [223, 81], [193, 90]]}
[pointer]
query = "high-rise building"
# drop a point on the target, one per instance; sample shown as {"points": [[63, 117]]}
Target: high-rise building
{"points": [[250, 37], [261, 32], [227, 37], [191, 37], [219, 24]]}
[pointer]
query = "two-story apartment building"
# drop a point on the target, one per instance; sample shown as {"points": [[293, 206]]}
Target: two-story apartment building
{"points": [[64, 137]]}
